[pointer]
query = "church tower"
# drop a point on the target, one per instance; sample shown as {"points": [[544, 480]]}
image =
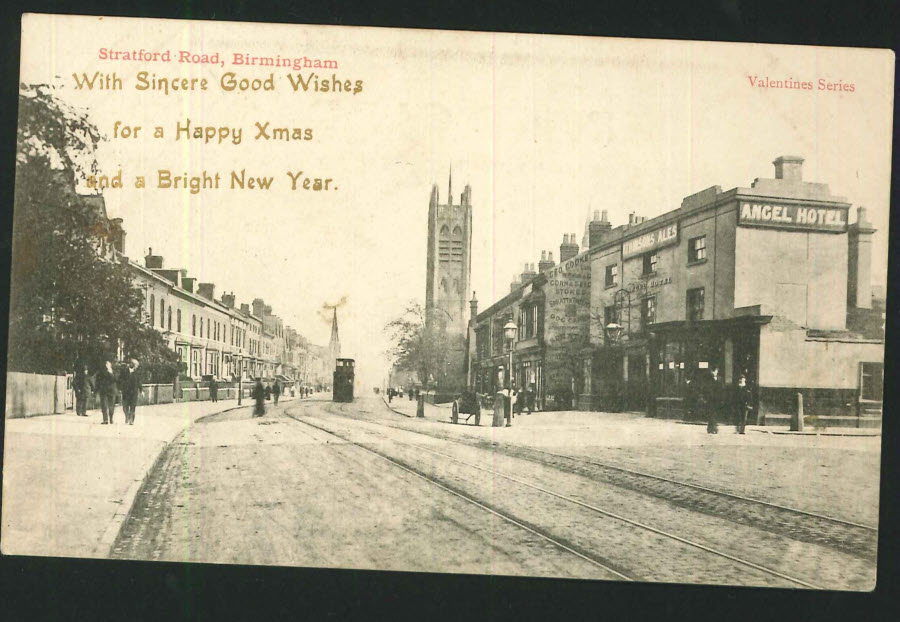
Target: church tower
{"points": [[449, 262], [334, 344]]}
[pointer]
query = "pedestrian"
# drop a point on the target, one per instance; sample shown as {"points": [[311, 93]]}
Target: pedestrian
{"points": [[130, 385], [410, 392], [259, 395], [268, 391], [84, 388], [213, 389], [743, 403], [276, 391], [390, 393], [107, 389], [713, 400]]}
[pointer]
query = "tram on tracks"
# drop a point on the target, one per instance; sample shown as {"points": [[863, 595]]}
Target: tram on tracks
{"points": [[342, 385]]}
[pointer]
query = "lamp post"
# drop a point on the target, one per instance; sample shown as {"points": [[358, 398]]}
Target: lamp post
{"points": [[509, 331]]}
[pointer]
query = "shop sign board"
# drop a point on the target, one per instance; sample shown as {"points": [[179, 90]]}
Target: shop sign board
{"points": [[658, 238]]}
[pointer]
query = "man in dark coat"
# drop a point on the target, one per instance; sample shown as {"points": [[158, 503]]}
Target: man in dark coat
{"points": [[213, 390], [259, 395], [107, 389], [276, 391], [743, 402], [130, 385], [83, 386]]}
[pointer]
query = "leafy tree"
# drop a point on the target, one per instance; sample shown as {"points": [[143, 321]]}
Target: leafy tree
{"points": [[425, 346], [70, 298]]}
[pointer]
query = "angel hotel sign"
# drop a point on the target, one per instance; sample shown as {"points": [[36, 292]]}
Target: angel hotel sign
{"points": [[809, 218]]}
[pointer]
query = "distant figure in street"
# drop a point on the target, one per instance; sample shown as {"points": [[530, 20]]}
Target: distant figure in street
{"points": [[259, 395], [107, 389], [690, 398], [743, 402], [292, 390], [712, 397], [268, 391], [130, 385], [523, 400], [84, 387], [276, 391], [390, 393], [213, 390], [410, 391]]}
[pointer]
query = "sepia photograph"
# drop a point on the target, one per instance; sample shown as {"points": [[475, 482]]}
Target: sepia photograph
{"points": [[431, 301]]}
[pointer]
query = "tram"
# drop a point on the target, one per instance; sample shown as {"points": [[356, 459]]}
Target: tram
{"points": [[342, 386]]}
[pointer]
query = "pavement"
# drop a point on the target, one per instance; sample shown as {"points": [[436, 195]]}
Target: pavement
{"points": [[69, 482]]}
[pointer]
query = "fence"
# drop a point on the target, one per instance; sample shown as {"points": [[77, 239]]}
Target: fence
{"points": [[34, 394]]}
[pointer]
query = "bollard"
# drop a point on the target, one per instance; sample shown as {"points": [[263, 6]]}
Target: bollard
{"points": [[499, 411], [797, 419], [420, 407]]}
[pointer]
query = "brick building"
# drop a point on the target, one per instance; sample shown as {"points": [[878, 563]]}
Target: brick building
{"points": [[770, 281]]}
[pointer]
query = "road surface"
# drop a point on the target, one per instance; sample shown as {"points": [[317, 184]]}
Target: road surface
{"points": [[318, 484]]}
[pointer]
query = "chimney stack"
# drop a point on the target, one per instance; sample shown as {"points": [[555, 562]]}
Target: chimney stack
{"points": [[259, 306], [789, 168], [245, 308], [473, 308], [546, 261], [598, 228], [528, 273], [207, 290], [568, 249], [187, 283], [514, 284], [859, 261], [152, 261], [228, 300]]}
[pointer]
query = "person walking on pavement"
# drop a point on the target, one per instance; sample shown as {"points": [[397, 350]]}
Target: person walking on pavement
{"points": [[713, 400], [83, 386], [213, 390], [259, 395], [130, 385], [276, 391], [107, 389], [743, 401]]}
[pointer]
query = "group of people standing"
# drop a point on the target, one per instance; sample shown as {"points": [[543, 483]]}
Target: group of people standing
{"points": [[709, 397], [106, 384]]}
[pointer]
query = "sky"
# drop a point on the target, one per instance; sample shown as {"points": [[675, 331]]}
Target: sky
{"points": [[545, 129]]}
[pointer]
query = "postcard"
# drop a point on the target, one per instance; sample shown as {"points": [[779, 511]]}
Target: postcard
{"points": [[453, 302]]}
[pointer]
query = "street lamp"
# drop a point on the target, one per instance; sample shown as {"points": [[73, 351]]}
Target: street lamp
{"points": [[614, 332], [509, 331]]}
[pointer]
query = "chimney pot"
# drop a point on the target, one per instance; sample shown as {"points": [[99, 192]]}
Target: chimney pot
{"points": [[596, 214], [603, 218]]}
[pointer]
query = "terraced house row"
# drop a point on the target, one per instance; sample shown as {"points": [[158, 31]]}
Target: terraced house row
{"points": [[219, 338], [772, 282]]}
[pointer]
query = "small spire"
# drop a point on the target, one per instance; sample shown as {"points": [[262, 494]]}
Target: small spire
{"points": [[450, 187]]}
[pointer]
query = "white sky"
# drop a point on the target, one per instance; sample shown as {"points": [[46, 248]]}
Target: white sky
{"points": [[544, 129]]}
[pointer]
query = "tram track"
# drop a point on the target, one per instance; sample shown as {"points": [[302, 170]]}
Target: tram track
{"points": [[559, 543], [853, 538], [782, 578]]}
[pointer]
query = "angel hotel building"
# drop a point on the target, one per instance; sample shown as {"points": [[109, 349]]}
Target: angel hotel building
{"points": [[771, 281]]}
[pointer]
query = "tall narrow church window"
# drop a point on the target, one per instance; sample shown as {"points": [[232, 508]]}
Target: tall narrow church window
{"points": [[456, 245], [444, 243]]}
